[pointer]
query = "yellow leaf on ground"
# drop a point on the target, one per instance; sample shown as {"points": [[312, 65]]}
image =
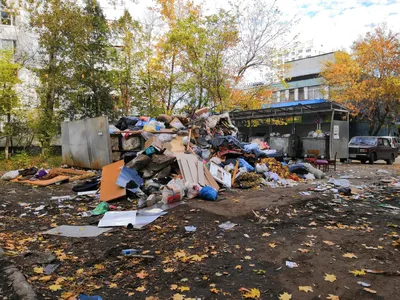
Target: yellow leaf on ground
{"points": [[358, 272], [152, 298], [112, 285], [60, 280], [332, 297], [370, 290], [184, 288], [214, 290], [238, 267], [146, 252], [55, 287], [251, 293], [67, 295], [305, 288], [285, 296], [169, 270], [350, 255], [330, 277], [303, 250], [99, 267], [177, 297], [272, 245], [142, 274], [45, 278], [131, 294], [38, 270], [266, 234], [329, 243], [173, 287], [140, 289], [79, 271], [247, 257]]}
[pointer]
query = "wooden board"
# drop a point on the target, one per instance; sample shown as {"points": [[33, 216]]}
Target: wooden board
{"points": [[200, 173], [45, 182], [176, 145], [210, 179], [109, 190]]}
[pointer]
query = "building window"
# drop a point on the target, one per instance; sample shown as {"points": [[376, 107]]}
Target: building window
{"points": [[300, 51], [293, 53], [300, 95], [314, 92], [5, 15], [8, 44], [291, 95], [308, 50]]}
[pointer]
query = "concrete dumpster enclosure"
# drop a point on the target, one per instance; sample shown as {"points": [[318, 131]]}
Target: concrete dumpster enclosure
{"points": [[86, 143]]}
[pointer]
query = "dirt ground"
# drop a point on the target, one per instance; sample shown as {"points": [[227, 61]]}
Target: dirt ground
{"points": [[273, 226]]}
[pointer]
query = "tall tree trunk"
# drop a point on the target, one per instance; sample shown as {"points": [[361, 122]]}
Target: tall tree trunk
{"points": [[170, 84], [7, 146]]}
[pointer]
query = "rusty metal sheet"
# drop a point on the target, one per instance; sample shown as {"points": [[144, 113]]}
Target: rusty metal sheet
{"points": [[86, 143]]}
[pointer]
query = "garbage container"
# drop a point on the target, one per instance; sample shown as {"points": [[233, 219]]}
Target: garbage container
{"points": [[290, 145]]}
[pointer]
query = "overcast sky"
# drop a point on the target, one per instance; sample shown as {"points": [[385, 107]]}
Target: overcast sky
{"points": [[333, 23]]}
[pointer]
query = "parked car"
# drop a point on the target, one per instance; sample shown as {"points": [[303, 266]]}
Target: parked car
{"points": [[371, 149], [394, 142]]}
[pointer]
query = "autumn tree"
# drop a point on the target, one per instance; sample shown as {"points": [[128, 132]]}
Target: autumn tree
{"points": [[367, 80], [9, 100]]}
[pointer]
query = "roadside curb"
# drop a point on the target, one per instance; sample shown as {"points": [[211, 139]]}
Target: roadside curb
{"points": [[18, 281]]}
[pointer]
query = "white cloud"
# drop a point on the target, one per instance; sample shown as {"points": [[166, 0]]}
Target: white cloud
{"points": [[332, 23]]}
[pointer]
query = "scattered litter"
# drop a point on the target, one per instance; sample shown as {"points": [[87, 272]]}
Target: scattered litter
{"points": [[227, 225], [130, 251], [77, 231], [118, 218], [100, 209], [190, 228], [87, 193], [61, 198], [50, 268], [86, 297], [364, 284], [208, 193], [305, 193], [291, 264]]}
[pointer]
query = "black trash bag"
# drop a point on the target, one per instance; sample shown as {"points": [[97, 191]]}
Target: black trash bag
{"points": [[127, 123], [226, 141]]}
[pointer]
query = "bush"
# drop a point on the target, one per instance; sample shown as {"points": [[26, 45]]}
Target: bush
{"points": [[23, 161]]}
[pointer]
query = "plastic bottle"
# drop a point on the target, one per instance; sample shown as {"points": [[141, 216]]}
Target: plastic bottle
{"points": [[130, 251]]}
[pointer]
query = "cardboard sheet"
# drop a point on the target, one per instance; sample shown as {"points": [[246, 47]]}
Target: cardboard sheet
{"points": [[44, 182], [77, 231], [109, 190]]}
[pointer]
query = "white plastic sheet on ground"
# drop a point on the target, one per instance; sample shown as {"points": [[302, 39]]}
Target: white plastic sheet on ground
{"points": [[118, 218], [77, 231]]}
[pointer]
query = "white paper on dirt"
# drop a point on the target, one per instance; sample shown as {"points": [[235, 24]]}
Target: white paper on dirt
{"points": [[77, 231], [118, 218]]}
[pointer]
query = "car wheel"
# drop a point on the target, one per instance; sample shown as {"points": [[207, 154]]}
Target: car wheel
{"points": [[364, 161], [372, 158], [391, 160]]}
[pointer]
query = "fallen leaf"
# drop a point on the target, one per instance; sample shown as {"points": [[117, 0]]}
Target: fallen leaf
{"points": [[251, 293], [112, 285], [313, 223], [358, 272], [350, 255], [99, 267], [329, 243], [146, 252], [332, 297], [38, 270], [79, 271], [266, 234], [238, 267], [204, 277], [131, 294], [285, 296], [177, 297], [173, 287], [249, 249], [45, 278], [214, 290], [140, 289], [369, 290], [60, 280], [247, 257], [55, 287], [184, 288], [272, 245], [169, 270], [67, 295], [330, 277], [305, 288], [142, 274], [303, 250], [152, 298]]}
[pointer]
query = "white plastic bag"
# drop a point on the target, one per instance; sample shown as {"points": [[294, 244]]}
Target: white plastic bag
{"points": [[261, 168], [193, 190], [174, 191], [10, 175]]}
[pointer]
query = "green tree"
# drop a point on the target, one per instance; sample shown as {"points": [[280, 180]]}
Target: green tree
{"points": [[93, 57], [60, 27], [9, 100]]}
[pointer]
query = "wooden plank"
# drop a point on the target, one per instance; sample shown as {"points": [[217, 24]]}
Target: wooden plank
{"points": [[200, 173], [186, 168], [109, 190], [47, 182], [235, 172], [192, 161], [211, 179]]}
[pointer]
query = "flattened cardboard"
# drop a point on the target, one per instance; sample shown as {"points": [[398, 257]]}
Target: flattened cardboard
{"points": [[109, 190], [45, 182]]}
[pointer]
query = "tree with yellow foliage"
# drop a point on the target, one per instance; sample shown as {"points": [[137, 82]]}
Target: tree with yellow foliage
{"points": [[367, 81]]}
